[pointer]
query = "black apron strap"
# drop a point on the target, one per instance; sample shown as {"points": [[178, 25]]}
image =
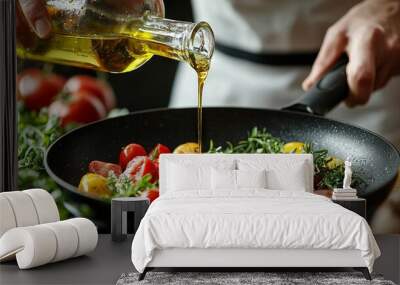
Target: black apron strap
{"points": [[275, 59]]}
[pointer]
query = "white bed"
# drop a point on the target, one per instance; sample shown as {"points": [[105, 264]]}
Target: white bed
{"points": [[196, 224]]}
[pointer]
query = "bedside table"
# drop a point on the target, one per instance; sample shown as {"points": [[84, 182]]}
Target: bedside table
{"points": [[358, 205], [119, 209]]}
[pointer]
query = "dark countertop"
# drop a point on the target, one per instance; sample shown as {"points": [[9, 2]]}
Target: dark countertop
{"points": [[110, 259]]}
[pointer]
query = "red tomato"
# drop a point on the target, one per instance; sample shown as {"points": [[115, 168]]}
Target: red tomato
{"points": [[139, 167], [151, 194], [157, 150], [104, 168], [36, 89], [80, 107], [156, 164], [129, 152], [57, 81], [96, 87]]}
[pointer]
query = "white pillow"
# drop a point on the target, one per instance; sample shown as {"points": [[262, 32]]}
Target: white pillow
{"points": [[235, 179], [181, 177], [223, 179], [283, 174], [251, 178], [294, 180], [189, 172]]}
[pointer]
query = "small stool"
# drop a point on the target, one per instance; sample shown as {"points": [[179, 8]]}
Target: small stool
{"points": [[119, 208]]}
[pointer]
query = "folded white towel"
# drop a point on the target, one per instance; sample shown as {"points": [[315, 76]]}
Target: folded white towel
{"points": [[40, 244]]}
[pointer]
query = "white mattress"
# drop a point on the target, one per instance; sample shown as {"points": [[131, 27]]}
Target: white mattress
{"points": [[250, 219]]}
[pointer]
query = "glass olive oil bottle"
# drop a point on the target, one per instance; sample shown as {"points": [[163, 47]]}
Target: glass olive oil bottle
{"points": [[119, 36]]}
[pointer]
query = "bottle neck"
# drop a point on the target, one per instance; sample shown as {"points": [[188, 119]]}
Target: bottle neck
{"points": [[183, 41]]}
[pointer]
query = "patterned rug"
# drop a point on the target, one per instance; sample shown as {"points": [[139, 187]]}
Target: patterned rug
{"points": [[243, 278]]}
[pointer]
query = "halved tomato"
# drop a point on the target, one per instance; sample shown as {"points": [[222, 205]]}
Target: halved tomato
{"points": [[96, 87], [79, 107], [37, 90], [139, 167], [129, 152]]}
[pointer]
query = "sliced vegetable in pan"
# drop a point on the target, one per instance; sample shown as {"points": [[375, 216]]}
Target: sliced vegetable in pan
{"points": [[140, 177], [328, 170], [129, 152]]}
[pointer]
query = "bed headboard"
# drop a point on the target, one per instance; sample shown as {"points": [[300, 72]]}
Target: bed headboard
{"points": [[285, 162]]}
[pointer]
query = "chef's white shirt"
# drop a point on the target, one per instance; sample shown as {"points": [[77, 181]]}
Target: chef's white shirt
{"points": [[276, 26]]}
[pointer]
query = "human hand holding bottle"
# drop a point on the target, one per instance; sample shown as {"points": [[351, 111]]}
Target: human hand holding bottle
{"points": [[32, 21]]}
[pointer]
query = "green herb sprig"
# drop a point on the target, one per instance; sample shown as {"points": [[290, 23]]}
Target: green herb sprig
{"points": [[328, 171], [122, 186], [257, 141], [36, 131]]}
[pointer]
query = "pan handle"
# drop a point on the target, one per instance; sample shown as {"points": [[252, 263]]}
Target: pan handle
{"points": [[326, 94]]}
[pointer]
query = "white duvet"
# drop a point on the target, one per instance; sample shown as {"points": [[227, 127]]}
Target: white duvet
{"points": [[250, 219]]}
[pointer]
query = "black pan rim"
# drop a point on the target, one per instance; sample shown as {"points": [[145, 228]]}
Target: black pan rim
{"points": [[75, 190]]}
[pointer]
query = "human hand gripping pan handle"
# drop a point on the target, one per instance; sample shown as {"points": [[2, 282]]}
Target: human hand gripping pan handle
{"points": [[331, 90]]}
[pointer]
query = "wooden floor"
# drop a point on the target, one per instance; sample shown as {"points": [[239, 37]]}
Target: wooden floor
{"points": [[110, 260]]}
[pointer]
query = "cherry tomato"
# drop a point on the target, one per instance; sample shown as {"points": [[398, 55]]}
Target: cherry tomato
{"points": [[104, 168], [96, 87], [57, 80], [129, 152], [36, 89], [79, 107], [151, 194], [157, 150], [139, 167]]}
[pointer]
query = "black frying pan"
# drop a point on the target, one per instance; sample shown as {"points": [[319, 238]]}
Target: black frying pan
{"points": [[374, 158]]}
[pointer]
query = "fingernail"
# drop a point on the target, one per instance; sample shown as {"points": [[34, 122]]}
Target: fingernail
{"points": [[42, 27]]}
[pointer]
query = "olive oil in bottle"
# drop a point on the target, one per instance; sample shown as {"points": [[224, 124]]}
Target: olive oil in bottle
{"points": [[116, 46], [115, 36]]}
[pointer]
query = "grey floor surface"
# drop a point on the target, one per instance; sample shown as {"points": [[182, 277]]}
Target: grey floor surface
{"points": [[106, 264], [103, 266]]}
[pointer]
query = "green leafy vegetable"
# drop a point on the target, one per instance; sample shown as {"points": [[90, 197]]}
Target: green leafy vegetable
{"points": [[257, 141], [36, 132], [328, 171], [122, 186]]}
